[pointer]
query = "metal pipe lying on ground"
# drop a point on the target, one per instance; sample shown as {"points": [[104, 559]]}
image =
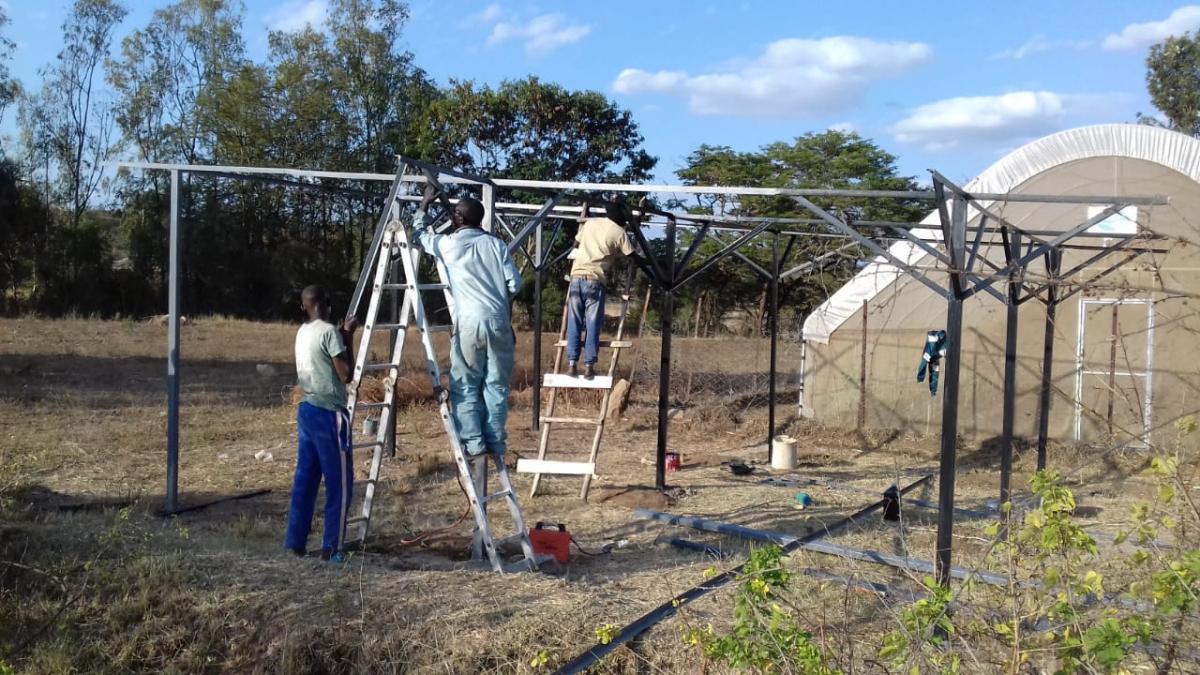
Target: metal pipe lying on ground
{"points": [[786, 540], [671, 607], [821, 575]]}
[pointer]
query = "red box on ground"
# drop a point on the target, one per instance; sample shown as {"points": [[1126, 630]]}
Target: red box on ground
{"points": [[551, 540]]}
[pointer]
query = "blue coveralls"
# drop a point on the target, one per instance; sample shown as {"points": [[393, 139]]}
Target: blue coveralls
{"points": [[483, 279]]}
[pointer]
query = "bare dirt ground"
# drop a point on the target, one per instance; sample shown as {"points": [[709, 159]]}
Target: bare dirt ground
{"points": [[94, 580]]}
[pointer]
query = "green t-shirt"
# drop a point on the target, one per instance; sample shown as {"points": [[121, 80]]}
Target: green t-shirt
{"points": [[317, 342]]}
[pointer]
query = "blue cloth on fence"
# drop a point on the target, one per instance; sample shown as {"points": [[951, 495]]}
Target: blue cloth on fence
{"points": [[931, 359], [323, 451]]}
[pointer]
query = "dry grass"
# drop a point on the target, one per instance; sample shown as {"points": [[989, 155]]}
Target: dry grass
{"points": [[81, 409]]}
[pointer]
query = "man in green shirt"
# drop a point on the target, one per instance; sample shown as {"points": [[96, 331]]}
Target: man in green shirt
{"points": [[324, 364]]}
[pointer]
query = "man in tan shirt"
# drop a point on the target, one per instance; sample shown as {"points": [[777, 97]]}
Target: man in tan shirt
{"points": [[600, 242]]}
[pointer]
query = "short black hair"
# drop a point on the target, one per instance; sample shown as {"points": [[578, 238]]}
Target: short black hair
{"points": [[314, 293], [472, 211], [615, 210]]}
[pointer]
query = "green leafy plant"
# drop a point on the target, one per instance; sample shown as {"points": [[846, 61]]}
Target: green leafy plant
{"points": [[765, 636], [925, 628]]}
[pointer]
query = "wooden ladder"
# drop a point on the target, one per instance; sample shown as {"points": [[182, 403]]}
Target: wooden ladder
{"points": [[560, 380]]}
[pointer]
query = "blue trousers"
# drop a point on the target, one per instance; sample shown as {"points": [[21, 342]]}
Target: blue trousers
{"points": [[323, 451], [585, 313], [481, 363]]}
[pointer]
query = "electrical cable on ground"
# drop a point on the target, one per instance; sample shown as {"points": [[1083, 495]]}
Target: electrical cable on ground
{"points": [[423, 535]]}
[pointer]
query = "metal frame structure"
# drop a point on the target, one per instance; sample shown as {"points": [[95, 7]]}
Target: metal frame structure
{"points": [[957, 251]]}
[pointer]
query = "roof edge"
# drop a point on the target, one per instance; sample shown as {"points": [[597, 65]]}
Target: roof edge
{"points": [[1168, 148]]}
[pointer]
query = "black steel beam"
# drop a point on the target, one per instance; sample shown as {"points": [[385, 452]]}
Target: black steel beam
{"points": [[956, 246], [776, 261], [1043, 247], [1053, 265], [714, 258], [664, 361], [842, 227], [697, 238], [1012, 251]]}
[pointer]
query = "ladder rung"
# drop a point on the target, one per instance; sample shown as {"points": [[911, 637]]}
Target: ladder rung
{"points": [[496, 495], [372, 367], [420, 287], [562, 380], [389, 326], [356, 520], [615, 344], [370, 406], [359, 446], [570, 420], [550, 466]]}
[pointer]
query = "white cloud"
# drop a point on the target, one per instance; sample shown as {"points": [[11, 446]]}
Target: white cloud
{"points": [[844, 127], [486, 16], [1038, 44], [1138, 35], [961, 120], [791, 78], [542, 35], [295, 15]]}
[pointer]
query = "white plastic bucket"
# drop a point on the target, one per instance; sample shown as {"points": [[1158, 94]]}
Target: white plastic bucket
{"points": [[783, 453]]}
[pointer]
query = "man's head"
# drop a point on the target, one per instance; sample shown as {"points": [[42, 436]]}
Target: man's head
{"points": [[468, 213], [617, 211], [315, 302]]}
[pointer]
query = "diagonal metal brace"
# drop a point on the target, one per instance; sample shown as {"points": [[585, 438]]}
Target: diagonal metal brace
{"points": [[1038, 250], [870, 244]]}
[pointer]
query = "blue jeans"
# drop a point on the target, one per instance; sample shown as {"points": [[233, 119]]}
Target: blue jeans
{"points": [[481, 363], [585, 312], [323, 451]]}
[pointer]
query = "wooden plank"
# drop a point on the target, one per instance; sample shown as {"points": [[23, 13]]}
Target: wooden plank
{"points": [[570, 420], [615, 344], [564, 381], [550, 466]]}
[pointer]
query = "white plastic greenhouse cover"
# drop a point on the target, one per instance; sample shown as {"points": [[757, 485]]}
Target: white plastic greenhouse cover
{"points": [[1136, 141]]}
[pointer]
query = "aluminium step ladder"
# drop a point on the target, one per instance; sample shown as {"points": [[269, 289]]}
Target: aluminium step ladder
{"points": [[396, 246], [560, 380]]}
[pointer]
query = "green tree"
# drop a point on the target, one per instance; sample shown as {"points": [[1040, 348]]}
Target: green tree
{"points": [[830, 159], [10, 88], [169, 75], [77, 120], [1173, 80], [533, 130]]}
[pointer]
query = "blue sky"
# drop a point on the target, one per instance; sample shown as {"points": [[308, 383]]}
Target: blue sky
{"points": [[946, 85]]}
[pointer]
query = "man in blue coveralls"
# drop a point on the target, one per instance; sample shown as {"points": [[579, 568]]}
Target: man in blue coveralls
{"points": [[324, 364], [484, 279]]}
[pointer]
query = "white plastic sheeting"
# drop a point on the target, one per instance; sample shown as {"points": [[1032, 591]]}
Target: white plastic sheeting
{"points": [[1137, 141]]}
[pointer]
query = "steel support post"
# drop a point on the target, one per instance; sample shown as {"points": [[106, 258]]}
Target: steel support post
{"points": [[173, 295], [956, 247], [1013, 252], [539, 274], [1053, 266], [774, 327], [664, 361]]}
